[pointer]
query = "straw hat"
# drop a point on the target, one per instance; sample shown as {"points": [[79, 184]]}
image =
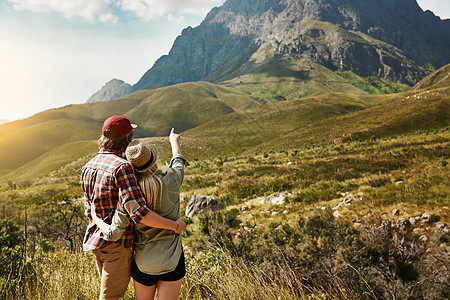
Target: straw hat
{"points": [[142, 157]]}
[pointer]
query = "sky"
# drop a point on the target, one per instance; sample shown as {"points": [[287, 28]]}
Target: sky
{"points": [[59, 52]]}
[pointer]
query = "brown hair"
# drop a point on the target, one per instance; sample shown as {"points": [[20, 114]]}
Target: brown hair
{"points": [[118, 143]]}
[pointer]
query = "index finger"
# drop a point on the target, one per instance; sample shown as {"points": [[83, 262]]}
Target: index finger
{"points": [[172, 131]]}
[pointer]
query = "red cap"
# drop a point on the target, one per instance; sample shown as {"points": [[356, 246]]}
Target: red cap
{"points": [[117, 125]]}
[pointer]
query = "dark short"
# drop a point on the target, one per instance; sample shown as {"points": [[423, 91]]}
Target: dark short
{"points": [[149, 280]]}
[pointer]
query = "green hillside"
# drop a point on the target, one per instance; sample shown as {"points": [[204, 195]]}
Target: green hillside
{"points": [[327, 118], [438, 79], [82, 112], [285, 79], [23, 145], [65, 156], [228, 120], [186, 106], [397, 114], [244, 130], [182, 106], [25, 140]]}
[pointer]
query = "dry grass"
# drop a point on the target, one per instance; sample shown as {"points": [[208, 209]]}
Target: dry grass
{"points": [[63, 275], [212, 275]]}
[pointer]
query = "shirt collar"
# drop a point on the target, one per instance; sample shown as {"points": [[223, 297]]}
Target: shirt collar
{"points": [[108, 151]]}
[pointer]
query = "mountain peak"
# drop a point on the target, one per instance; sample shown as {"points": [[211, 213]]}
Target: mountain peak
{"points": [[113, 89], [393, 40]]}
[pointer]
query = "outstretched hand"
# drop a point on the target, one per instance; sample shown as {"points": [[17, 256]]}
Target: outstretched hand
{"points": [[173, 138]]}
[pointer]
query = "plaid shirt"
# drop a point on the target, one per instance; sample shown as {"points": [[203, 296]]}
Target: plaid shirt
{"points": [[107, 179]]}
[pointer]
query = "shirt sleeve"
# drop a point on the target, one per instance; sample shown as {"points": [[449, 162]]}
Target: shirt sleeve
{"points": [[87, 208], [119, 223], [130, 194], [177, 162]]}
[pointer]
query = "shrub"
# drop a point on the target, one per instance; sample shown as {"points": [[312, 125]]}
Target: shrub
{"points": [[10, 267], [379, 182], [197, 182], [407, 272], [204, 224], [9, 236], [434, 218], [322, 190]]}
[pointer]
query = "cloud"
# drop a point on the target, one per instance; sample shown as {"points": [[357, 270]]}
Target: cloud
{"points": [[91, 11], [94, 11], [155, 9]]}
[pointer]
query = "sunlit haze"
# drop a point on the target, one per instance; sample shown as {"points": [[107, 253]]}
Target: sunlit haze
{"points": [[53, 55]]}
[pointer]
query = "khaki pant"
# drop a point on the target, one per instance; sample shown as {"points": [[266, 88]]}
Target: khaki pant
{"points": [[114, 267]]}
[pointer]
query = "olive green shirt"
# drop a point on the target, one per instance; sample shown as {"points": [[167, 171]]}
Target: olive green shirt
{"points": [[157, 250]]}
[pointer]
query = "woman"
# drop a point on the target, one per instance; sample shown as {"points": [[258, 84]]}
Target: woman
{"points": [[159, 259]]}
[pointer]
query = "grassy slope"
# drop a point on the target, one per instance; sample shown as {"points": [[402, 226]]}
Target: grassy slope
{"points": [[83, 112], [327, 118], [438, 79], [285, 78], [232, 121], [155, 111], [25, 140], [240, 131], [53, 160], [185, 106], [398, 114], [26, 144]]}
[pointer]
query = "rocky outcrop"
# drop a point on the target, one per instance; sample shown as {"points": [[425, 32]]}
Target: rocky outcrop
{"points": [[111, 90], [276, 198], [198, 205]]}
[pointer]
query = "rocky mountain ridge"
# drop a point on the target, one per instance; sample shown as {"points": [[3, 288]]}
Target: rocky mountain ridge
{"points": [[390, 39], [240, 28]]}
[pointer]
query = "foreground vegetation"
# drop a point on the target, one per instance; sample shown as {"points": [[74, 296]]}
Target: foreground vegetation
{"points": [[307, 246], [337, 196]]}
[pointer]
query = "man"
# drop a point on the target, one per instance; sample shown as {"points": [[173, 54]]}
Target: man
{"points": [[107, 179]]}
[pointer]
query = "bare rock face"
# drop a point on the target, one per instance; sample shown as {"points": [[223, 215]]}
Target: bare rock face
{"points": [[198, 205], [111, 90], [390, 39]]}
